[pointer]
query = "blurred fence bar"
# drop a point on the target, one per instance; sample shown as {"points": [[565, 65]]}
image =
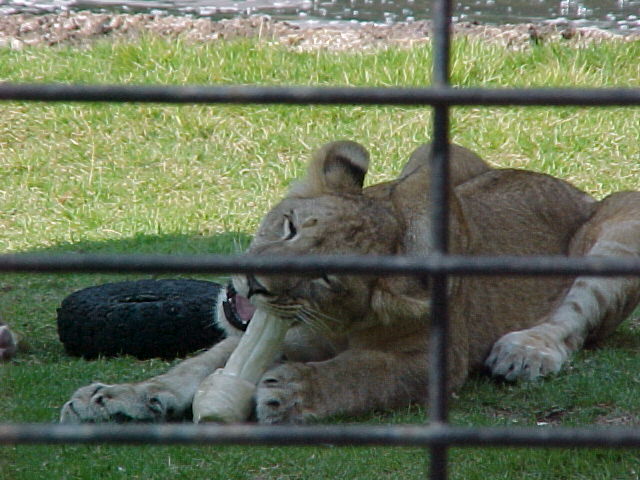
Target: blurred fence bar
{"points": [[434, 95], [314, 265], [329, 435]]}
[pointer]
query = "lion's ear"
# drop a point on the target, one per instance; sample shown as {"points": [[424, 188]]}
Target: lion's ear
{"points": [[337, 167]]}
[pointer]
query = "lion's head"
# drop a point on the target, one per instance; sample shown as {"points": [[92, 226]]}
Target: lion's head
{"points": [[328, 212]]}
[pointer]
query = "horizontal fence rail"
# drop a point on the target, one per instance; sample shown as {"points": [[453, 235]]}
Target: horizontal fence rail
{"points": [[334, 435], [313, 265], [437, 95]]}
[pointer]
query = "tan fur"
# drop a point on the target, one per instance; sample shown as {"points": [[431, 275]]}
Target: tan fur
{"points": [[359, 343]]}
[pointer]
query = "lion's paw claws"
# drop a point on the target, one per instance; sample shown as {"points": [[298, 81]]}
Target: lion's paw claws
{"points": [[525, 355], [280, 396]]}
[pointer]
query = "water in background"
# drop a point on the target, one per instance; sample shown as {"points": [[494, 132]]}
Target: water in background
{"points": [[621, 15]]}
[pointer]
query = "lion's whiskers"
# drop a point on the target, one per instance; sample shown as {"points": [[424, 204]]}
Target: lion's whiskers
{"points": [[317, 320], [283, 311], [314, 319]]}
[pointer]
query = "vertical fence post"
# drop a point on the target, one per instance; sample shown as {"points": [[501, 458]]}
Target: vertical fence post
{"points": [[439, 192]]}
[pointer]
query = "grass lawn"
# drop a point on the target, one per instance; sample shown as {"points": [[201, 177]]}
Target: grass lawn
{"points": [[194, 179]]}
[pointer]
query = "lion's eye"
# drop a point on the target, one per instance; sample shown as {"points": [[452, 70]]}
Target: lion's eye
{"points": [[289, 229]]}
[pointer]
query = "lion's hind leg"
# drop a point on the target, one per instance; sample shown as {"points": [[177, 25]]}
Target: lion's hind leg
{"points": [[592, 307]]}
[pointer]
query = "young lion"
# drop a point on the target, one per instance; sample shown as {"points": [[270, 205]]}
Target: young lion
{"points": [[359, 342]]}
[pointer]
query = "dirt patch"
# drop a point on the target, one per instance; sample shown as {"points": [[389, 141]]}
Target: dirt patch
{"points": [[80, 28]]}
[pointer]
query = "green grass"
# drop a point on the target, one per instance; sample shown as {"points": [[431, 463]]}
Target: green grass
{"points": [[192, 179]]}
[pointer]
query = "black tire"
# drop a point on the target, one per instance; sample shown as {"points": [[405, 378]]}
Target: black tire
{"points": [[144, 318]]}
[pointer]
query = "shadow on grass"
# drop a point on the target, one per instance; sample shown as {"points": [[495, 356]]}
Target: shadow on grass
{"points": [[625, 338], [224, 243]]}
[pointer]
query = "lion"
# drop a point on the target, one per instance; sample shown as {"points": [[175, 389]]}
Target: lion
{"points": [[359, 343]]}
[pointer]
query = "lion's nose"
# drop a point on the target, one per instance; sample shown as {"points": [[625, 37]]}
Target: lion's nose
{"points": [[255, 287]]}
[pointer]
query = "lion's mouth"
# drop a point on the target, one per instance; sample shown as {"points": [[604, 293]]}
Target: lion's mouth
{"points": [[237, 309]]}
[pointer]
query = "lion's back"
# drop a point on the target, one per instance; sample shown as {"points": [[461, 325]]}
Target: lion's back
{"points": [[519, 212]]}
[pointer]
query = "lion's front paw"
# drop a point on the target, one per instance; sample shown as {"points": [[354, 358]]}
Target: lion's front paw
{"points": [[119, 403], [283, 395], [526, 355]]}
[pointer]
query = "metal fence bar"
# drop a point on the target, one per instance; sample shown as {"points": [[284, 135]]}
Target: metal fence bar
{"points": [[314, 265], [435, 95], [438, 200], [338, 435]]}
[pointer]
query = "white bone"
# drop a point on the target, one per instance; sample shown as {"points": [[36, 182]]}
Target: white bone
{"points": [[227, 394]]}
